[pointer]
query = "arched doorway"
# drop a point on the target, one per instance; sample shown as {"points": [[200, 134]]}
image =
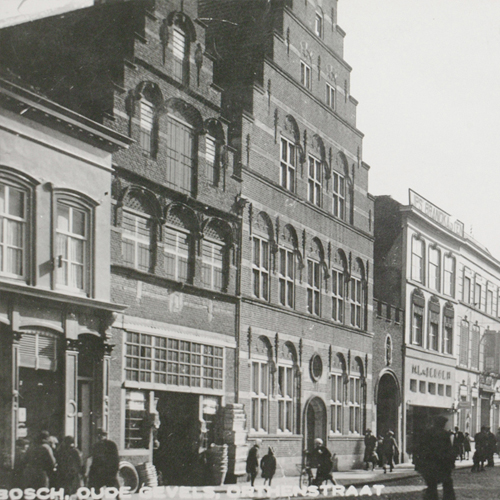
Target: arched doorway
{"points": [[315, 421], [387, 405]]}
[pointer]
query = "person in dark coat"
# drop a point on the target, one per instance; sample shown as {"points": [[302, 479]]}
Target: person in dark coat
{"points": [[467, 448], [40, 463], [481, 452], [69, 466], [253, 461], [458, 443], [491, 446], [105, 463], [322, 459], [389, 450], [436, 460], [268, 466], [370, 450], [20, 462]]}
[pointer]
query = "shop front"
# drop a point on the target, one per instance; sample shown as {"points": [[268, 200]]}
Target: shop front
{"points": [[429, 387]]}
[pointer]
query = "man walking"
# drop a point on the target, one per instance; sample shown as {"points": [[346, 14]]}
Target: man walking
{"points": [[458, 443], [105, 463], [436, 460], [253, 461], [370, 447]]}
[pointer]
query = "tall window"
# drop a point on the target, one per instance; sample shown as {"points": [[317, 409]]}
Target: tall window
{"points": [[338, 183], [477, 295], [356, 297], [313, 287], [489, 301], [318, 25], [417, 259], [418, 303], [180, 51], [12, 231], [287, 277], [136, 239], [213, 257], [434, 268], [147, 124], [448, 320], [314, 181], [260, 396], [433, 341], [180, 155], [466, 289], [337, 296], [212, 161], [176, 251], [464, 343], [260, 268], [449, 276], [72, 245], [330, 96], [474, 352], [354, 405], [285, 398], [336, 402], [305, 75], [288, 165]]}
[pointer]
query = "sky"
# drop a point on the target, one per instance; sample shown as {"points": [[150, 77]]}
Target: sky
{"points": [[427, 78]]}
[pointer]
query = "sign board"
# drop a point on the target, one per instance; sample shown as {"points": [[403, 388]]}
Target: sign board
{"points": [[436, 214]]}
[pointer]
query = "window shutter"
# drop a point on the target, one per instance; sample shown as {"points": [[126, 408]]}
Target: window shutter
{"points": [[38, 350], [27, 350]]}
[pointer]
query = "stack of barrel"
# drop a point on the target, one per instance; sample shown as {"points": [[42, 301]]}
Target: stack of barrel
{"points": [[217, 461], [147, 474]]}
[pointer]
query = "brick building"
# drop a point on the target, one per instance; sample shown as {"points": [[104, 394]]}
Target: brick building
{"points": [[306, 312], [55, 199]]}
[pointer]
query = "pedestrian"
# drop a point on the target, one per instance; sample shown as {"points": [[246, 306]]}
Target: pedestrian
{"points": [[253, 461], [436, 460], [481, 452], [40, 463], [321, 458], [268, 466], [467, 448], [370, 450], [458, 443], [491, 446], [104, 464], [20, 462], [389, 450], [69, 466]]}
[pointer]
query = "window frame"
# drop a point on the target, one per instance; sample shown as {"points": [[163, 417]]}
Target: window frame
{"points": [[260, 398], [176, 254], [356, 301], [354, 403], [338, 195], [305, 75], [222, 244], [420, 256], [417, 327], [127, 235], [146, 134], [314, 181], [337, 403], [434, 268], [313, 286], [338, 295], [261, 273], [180, 65], [213, 168], [449, 275], [286, 402], [288, 170], [286, 282], [318, 25], [331, 96]]}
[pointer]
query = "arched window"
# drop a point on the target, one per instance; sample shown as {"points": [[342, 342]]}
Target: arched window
{"points": [[214, 140], [289, 156], [215, 258], [417, 305], [338, 274], [357, 294], [356, 396], [337, 399], [287, 266], [339, 186], [316, 160], [182, 35], [138, 231], [178, 245], [433, 331], [261, 384], [434, 268], [261, 256], [287, 389], [149, 102], [448, 321], [417, 258], [314, 278]]}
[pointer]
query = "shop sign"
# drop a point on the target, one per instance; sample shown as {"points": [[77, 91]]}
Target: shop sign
{"points": [[436, 214], [430, 372]]}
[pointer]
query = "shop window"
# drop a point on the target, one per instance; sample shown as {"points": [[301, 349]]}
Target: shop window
{"points": [[432, 388], [434, 268], [305, 75], [413, 385], [162, 360], [313, 287], [261, 268], [136, 239], [354, 404], [448, 391], [337, 296], [421, 387], [288, 165], [72, 246], [417, 259], [338, 195], [314, 181], [466, 289], [336, 402], [260, 395], [38, 350], [449, 276], [330, 96], [285, 398], [287, 277], [136, 415], [464, 343], [440, 390]]}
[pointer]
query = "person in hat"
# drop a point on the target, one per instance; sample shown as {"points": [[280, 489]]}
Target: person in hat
{"points": [[491, 446], [389, 450], [481, 452], [41, 463], [370, 450], [105, 462], [253, 461], [268, 466], [436, 460], [322, 459]]}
